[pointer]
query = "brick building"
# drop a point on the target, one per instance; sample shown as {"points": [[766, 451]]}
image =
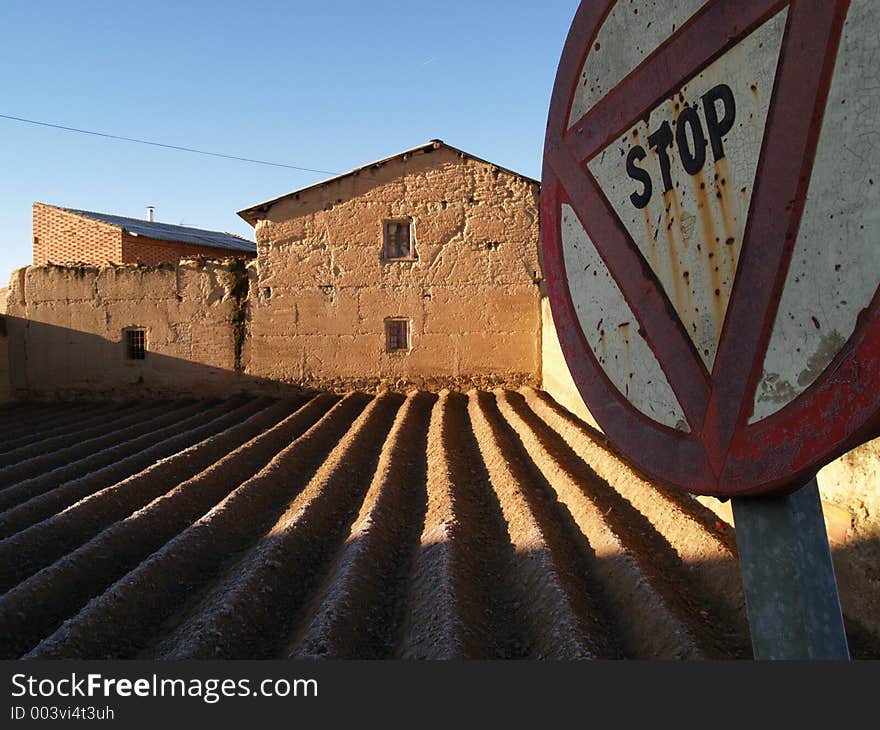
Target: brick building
{"points": [[421, 268], [63, 235]]}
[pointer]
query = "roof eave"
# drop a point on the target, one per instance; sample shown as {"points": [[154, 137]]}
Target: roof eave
{"points": [[251, 213]]}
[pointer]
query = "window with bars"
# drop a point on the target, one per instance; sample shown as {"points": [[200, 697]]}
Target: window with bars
{"points": [[398, 241], [135, 344], [397, 335]]}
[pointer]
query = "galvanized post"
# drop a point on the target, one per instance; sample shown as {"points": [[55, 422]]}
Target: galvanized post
{"points": [[790, 589]]}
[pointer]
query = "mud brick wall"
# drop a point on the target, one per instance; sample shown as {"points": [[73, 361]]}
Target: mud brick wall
{"points": [[5, 381], [66, 324], [556, 378], [471, 294]]}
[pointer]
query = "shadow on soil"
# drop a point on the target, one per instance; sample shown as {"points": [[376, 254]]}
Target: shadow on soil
{"points": [[48, 362]]}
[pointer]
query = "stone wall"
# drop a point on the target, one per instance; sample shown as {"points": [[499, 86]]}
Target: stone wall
{"points": [[65, 326], [471, 293]]}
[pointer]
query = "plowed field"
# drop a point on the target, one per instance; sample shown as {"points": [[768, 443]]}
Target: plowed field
{"points": [[488, 525]]}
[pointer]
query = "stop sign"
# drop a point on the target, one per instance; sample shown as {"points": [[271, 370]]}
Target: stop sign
{"points": [[710, 221]]}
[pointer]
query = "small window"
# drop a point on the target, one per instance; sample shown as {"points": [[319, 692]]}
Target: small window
{"points": [[397, 335], [135, 344], [398, 241]]}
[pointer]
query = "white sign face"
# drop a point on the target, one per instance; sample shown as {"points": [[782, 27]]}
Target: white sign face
{"points": [[610, 60], [835, 266], [612, 330], [681, 180]]}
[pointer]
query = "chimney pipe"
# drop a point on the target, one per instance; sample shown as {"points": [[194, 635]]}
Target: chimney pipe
{"points": [[150, 213]]}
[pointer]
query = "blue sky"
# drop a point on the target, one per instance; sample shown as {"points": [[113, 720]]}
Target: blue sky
{"points": [[328, 86]]}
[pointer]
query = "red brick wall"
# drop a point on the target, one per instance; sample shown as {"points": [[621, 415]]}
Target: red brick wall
{"points": [[62, 237], [152, 251]]}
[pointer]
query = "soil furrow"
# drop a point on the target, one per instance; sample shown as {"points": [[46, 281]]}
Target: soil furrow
{"points": [[60, 590], [124, 619], [551, 578], [428, 526], [37, 416], [87, 418], [36, 499], [462, 604], [26, 552], [697, 513], [645, 595], [29, 413], [358, 611], [432, 623], [705, 550], [109, 465], [143, 422], [80, 430], [10, 410], [250, 613]]}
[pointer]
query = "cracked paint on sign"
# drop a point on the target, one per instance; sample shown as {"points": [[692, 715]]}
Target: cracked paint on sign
{"points": [[689, 224], [648, 23], [835, 266], [612, 330]]}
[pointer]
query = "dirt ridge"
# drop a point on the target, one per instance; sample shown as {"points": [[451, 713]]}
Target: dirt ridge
{"points": [[486, 525]]}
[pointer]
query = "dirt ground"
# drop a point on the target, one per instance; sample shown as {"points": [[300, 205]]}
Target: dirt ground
{"points": [[491, 525]]}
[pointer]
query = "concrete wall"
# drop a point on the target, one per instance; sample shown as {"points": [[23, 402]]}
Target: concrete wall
{"points": [[323, 291], [66, 325]]}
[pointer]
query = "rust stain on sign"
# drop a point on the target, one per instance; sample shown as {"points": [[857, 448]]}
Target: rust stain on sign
{"points": [[680, 165], [835, 266]]}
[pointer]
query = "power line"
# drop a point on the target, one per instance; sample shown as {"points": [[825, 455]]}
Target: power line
{"points": [[160, 144]]}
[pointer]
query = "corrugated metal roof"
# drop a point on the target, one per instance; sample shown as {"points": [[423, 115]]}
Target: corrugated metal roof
{"points": [[168, 232], [434, 144]]}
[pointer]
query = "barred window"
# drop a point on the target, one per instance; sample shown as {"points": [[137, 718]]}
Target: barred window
{"points": [[135, 344], [398, 240], [397, 335]]}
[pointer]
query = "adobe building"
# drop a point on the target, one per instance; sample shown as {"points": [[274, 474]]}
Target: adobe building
{"points": [[64, 235], [419, 269]]}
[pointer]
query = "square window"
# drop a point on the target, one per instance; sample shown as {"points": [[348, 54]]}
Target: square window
{"points": [[135, 344], [398, 243], [397, 335]]}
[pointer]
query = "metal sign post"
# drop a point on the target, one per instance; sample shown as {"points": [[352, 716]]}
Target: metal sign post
{"points": [[709, 238], [788, 578]]}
